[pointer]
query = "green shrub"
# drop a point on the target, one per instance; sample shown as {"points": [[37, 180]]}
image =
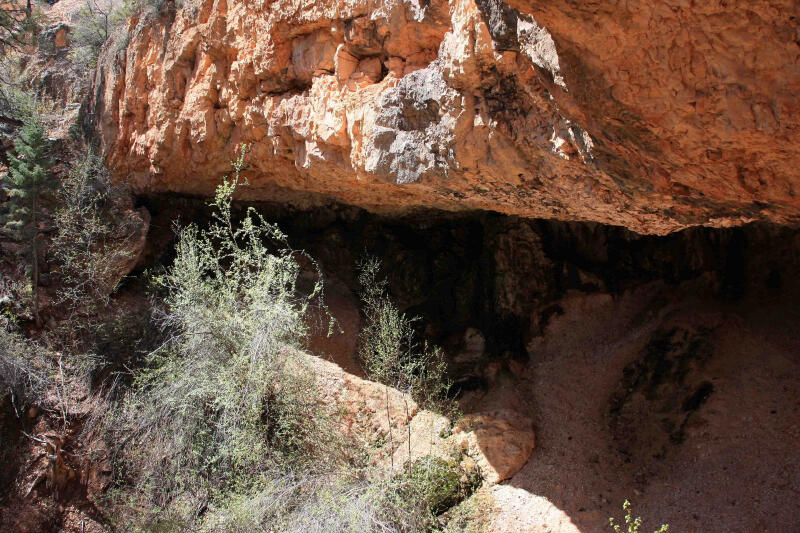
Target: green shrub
{"points": [[223, 429], [21, 101], [17, 102], [93, 24], [93, 238], [412, 500], [427, 487], [391, 354], [225, 400], [472, 515], [390, 351]]}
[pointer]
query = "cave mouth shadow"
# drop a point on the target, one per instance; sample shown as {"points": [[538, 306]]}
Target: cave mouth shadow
{"points": [[502, 275]]}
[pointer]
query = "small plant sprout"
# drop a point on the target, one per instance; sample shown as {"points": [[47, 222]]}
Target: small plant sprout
{"points": [[632, 525]]}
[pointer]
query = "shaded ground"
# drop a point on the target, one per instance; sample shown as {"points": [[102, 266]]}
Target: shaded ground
{"points": [[710, 445]]}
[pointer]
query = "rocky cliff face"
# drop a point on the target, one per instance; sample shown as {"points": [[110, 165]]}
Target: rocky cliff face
{"points": [[654, 115]]}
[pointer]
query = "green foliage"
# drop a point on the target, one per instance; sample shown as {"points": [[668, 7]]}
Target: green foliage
{"points": [[427, 487], [96, 233], [20, 102], [228, 397], [16, 102], [472, 515], [392, 355], [390, 351], [632, 525], [93, 236], [224, 431], [27, 184], [410, 501]]}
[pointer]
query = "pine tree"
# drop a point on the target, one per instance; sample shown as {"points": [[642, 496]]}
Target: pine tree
{"points": [[27, 184]]}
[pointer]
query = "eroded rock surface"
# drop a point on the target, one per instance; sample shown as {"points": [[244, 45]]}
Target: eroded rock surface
{"points": [[652, 115], [501, 441], [497, 442]]}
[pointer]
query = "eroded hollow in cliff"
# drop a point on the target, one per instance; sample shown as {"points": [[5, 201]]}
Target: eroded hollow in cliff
{"points": [[502, 276], [651, 367]]}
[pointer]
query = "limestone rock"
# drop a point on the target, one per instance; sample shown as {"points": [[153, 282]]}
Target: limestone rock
{"points": [[133, 228], [54, 37], [654, 115], [362, 402], [500, 441], [473, 345], [523, 272], [391, 421]]}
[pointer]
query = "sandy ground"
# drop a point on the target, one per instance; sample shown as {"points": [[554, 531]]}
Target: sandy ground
{"points": [[735, 467]]}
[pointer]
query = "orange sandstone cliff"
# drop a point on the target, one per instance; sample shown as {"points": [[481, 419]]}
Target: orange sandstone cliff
{"points": [[651, 114]]}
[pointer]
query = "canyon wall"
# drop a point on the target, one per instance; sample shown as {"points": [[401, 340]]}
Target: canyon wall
{"points": [[653, 115]]}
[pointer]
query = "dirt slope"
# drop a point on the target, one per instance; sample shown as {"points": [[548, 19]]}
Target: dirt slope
{"points": [[703, 437]]}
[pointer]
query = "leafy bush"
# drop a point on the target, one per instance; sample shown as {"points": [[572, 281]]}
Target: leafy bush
{"points": [[226, 400], [91, 250], [390, 351], [472, 515], [427, 487], [410, 501], [223, 429], [17, 103], [392, 355], [21, 100], [93, 237]]}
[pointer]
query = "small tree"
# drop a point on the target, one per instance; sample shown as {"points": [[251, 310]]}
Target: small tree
{"points": [[27, 184], [99, 20], [92, 25]]}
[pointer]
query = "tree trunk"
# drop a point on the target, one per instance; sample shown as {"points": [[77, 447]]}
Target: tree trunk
{"points": [[35, 258]]}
